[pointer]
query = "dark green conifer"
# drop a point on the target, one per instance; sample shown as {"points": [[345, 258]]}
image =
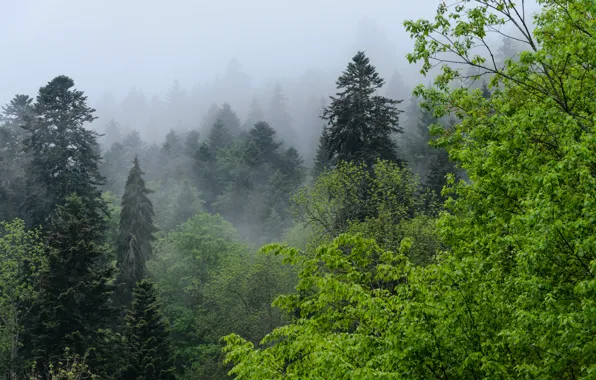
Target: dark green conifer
{"points": [[322, 158], [64, 158], [74, 302], [261, 145], [147, 342], [361, 124], [136, 234]]}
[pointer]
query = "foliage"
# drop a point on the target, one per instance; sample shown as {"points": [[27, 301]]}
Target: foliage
{"points": [[389, 197], [136, 231], [147, 337], [360, 123], [64, 156], [73, 304], [513, 296], [22, 265]]}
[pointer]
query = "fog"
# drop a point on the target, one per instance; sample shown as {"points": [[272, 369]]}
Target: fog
{"points": [[113, 45]]}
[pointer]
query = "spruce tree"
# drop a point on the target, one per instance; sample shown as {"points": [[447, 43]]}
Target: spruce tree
{"points": [[136, 234], [74, 292], [361, 124], [64, 158], [147, 338], [229, 119]]}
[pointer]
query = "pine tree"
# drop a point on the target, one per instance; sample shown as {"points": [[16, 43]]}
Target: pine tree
{"points": [[136, 234], [64, 159], [147, 342], [360, 124], [74, 292]]}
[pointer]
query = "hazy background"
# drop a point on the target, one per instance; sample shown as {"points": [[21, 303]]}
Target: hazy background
{"points": [[116, 44]]}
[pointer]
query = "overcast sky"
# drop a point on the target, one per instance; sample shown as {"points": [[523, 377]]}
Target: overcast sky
{"points": [[115, 44]]}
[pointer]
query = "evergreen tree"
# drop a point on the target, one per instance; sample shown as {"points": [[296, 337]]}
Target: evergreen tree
{"points": [[147, 342], [74, 292], [261, 145], [322, 160], [360, 124], [191, 145], [112, 133], [255, 114], [219, 136], [136, 233], [64, 159], [12, 157], [228, 117]]}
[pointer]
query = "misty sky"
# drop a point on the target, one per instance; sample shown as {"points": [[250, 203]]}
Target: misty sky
{"points": [[115, 44]]}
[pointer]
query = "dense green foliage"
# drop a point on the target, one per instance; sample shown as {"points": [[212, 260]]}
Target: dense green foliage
{"points": [[457, 242], [512, 295], [136, 234]]}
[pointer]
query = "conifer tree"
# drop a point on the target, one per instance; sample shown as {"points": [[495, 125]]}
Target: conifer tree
{"points": [[322, 160], [255, 114], [12, 157], [74, 292], [261, 145], [228, 117], [147, 342], [136, 233], [360, 124], [64, 158], [219, 136]]}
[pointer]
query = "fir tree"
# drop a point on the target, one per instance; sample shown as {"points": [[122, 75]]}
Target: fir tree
{"points": [[147, 342], [261, 145], [191, 145], [278, 116], [74, 292], [136, 233], [64, 159], [360, 124]]}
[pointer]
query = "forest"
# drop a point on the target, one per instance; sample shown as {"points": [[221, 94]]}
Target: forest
{"points": [[447, 232]]}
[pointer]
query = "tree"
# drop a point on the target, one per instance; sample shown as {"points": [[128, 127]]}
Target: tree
{"points": [[219, 136], [360, 124], [74, 292], [136, 233], [64, 159], [261, 145], [147, 338], [228, 117], [22, 264], [255, 114], [322, 160], [12, 157]]}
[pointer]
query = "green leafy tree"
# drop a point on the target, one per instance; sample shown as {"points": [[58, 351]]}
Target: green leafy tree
{"points": [[136, 234], [64, 158], [22, 264], [147, 338], [360, 124], [512, 296], [74, 292]]}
